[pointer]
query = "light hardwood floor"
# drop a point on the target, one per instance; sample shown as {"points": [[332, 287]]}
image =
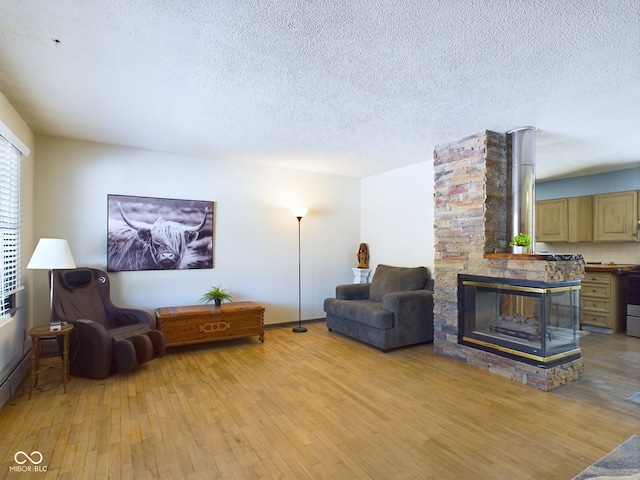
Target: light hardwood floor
{"points": [[320, 406]]}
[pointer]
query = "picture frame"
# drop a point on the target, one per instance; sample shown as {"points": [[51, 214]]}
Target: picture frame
{"points": [[148, 233]]}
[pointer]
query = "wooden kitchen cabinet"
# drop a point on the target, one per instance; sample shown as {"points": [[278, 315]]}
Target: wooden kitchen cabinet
{"points": [[565, 219], [603, 302], [580, 218], [616, 217], [552, 221]]}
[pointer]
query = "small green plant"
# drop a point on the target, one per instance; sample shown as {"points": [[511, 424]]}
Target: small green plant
{"points": [[216, 294], [521, 240]]}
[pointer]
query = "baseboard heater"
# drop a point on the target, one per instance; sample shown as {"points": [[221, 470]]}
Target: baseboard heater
{"points": [[12, 382]]}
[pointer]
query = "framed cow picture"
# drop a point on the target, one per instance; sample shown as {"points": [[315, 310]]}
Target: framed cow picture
{"points": [[145, 233]]}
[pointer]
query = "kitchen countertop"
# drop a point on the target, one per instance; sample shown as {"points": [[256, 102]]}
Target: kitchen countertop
{"points": [[548, 257], [617, 268]]}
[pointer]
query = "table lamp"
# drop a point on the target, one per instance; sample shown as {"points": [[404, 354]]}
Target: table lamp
{"points": [[51, 254]]}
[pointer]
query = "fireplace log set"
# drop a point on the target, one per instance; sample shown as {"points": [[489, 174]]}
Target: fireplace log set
{"points": [[517, 326]]}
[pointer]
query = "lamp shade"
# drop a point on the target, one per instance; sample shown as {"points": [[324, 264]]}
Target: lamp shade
{"points": [[51, 254], [299, 212]]}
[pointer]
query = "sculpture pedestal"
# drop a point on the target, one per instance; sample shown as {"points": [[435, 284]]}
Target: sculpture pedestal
{"points": [[360, 275]]}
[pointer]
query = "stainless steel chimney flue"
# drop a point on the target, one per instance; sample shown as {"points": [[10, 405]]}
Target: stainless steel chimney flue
{"points": [[523, 182]]}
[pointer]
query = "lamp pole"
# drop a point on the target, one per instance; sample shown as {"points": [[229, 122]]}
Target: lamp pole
{"points": [[299, 213]]}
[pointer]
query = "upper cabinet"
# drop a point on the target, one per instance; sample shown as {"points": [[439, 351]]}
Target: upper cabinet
{"points": [[616, 217], [565, 220], [580, 218], [551, 220]]}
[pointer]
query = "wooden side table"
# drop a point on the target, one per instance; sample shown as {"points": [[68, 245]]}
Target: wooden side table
{"points": [[39, 333]]}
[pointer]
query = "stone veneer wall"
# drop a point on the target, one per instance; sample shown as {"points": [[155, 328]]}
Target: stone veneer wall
{"points": [[471, 213]]}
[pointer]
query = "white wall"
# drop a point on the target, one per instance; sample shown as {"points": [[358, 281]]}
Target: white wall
{"points": [[12, 334], [256, 237], [397, 216]]}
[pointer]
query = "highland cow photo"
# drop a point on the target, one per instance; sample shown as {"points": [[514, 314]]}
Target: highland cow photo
{"points": [[145, 233]]}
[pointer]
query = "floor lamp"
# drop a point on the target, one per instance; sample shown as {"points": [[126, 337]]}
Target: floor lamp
{"points": [[51, 254], [299, 212]]}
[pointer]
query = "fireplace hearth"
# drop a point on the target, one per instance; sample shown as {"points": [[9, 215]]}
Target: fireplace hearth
{"points": [[531, 321]]}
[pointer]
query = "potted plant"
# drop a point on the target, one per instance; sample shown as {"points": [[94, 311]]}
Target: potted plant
{"points": [[216, 294], [520, 243]]}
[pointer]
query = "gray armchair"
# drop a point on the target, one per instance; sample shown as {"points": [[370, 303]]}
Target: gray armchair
{"points": [[394, 310]]}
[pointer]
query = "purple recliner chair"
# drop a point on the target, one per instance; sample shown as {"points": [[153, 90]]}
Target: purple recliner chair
{"points": [[107, 339]]}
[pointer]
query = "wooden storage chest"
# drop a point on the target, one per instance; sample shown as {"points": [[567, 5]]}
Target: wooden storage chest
{"points": [[207, 323]]}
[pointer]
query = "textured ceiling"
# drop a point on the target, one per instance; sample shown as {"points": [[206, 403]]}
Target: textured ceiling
{"points": [[351, 87]]}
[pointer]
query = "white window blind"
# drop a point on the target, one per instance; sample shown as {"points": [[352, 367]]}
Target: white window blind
{"points": [[10, 280]]}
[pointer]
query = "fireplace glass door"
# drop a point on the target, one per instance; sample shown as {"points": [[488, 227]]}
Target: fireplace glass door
{"points": [[535, 322]]}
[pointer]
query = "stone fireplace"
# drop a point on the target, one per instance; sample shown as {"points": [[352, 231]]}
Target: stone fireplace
{"points": [[472, 197]]}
